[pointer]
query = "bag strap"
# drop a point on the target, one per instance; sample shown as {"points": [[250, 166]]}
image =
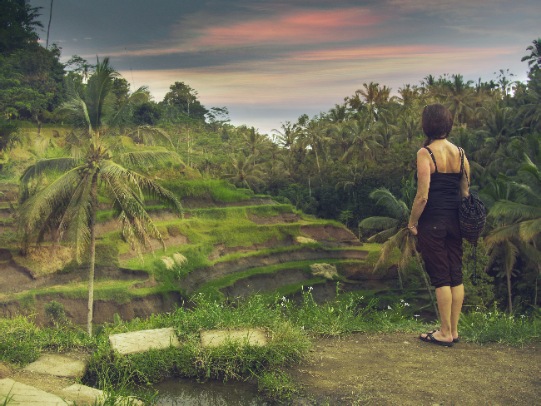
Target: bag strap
{"points": [[433, 159]]}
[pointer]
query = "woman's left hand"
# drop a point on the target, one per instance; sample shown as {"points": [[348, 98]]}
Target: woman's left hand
{"points": [[413, 230]]}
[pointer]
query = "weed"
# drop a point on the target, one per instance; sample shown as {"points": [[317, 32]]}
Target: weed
{"points": [[276, 385], [493, 325]]}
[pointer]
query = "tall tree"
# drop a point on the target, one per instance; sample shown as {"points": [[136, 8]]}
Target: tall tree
{"points": [[518, 226], [18, 20], [69, 203], [534, 58]]}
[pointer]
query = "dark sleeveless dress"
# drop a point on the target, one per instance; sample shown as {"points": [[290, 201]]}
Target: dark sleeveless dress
{"points": [[439, 239]]}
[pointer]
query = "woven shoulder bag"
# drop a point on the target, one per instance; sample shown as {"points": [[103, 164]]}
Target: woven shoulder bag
{"points": [[472, 216]]}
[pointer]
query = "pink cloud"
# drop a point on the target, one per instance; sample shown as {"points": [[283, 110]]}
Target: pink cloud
{"points": [[391, 52], [299, 27]]}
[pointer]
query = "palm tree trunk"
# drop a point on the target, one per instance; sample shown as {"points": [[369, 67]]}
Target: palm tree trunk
{"points": [[509, 294], [49, 25], [93, 209]]}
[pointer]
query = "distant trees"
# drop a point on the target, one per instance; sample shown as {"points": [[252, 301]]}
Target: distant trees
{"points": [[31, 77], [181, 100]]}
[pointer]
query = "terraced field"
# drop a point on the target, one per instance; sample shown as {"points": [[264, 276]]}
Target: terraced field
{"points": [[226, 250]]}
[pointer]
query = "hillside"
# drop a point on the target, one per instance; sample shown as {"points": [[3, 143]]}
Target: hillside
{"points": [[226, 249]]}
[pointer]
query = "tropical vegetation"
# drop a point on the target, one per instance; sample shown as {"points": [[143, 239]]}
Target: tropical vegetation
{"points": [[327, 165]]}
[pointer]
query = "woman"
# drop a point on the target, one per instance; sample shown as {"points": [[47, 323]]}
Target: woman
{"points": [[434, 218]]}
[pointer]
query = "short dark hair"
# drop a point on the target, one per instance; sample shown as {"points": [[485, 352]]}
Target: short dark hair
{"points": [[437, 121]]}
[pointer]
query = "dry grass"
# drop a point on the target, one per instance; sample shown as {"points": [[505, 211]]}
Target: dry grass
{"points": [[46, 260]]}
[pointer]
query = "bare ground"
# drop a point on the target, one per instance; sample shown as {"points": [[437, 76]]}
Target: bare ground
{"points": [[399, 369]]}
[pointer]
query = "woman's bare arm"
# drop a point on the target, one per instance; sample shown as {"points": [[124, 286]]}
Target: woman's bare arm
{"points": [[464, 187], [423, 185]]}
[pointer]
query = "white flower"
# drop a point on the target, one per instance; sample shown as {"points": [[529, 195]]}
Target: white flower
{"points": [[310, 288], [406, 304], [389, 307]]}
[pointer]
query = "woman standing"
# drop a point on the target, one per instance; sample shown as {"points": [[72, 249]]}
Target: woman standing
{"points": [[441, 184]]}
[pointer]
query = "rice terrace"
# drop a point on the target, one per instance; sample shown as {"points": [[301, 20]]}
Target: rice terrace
{"points": [[147, 245]]}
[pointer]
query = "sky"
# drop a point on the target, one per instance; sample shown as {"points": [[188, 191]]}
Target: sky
{"points": [[271, 61]]}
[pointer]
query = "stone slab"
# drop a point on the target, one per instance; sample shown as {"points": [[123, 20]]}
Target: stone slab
{"points": [[83, 394], [58, 365], [144, 340], [215, 338], [20, 394]]}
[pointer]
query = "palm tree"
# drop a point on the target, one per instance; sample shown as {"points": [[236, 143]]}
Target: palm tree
{"points": [[518, 225], [244, 173], [534, 59], [361, 144], [393, 232], [68, 205], [458, 98]]}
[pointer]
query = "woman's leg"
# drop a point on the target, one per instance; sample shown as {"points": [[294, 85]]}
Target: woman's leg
{"points": [[444, 298], [457, 293]]}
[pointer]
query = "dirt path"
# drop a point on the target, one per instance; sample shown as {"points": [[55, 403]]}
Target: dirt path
{"points": [[399, 369]]}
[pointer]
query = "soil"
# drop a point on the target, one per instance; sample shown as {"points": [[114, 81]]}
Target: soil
{"points": [[399, 369]]}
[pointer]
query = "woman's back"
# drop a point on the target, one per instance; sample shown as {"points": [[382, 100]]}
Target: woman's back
{"points": [[444, 190], [446, 155]]}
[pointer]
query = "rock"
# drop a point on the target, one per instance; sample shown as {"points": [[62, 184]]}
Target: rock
{"points": [[144, 340]]}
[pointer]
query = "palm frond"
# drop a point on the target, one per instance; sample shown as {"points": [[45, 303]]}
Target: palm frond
{"points": [[383, 236], [378, 223], [501, 234], [77, 110], [39, 207], [116, 174], [75, 223], [141, 95], [46, 166], [512, 211], [146, 158], [149, 135], [530, 229], [386, 199], [403, 241]]}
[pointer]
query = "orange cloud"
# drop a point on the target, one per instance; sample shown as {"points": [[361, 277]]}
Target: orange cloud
{"points": [[300, 27]]}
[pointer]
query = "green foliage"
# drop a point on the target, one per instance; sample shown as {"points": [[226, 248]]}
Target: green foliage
{"points": [[55, 312], [276, 385], [19, 341], [484, 325], [211, 189]]}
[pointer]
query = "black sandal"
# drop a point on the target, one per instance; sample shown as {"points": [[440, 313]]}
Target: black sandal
{"points": [[430, 339]]}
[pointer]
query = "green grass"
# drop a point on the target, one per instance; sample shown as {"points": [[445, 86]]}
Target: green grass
{"points": [[217, 190], [493, 325], [291, 324]]}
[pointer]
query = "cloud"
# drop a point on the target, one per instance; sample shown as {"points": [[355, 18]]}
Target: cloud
{"points": [[298, 27], [289, 28]]}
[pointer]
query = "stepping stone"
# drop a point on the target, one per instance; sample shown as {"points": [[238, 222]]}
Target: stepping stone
{"points": [[58, 365], [19, 394], [82, 394], [215, 338], [144, 340]]}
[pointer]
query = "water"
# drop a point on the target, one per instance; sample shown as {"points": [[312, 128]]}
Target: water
{"points": [[186, 392]]}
